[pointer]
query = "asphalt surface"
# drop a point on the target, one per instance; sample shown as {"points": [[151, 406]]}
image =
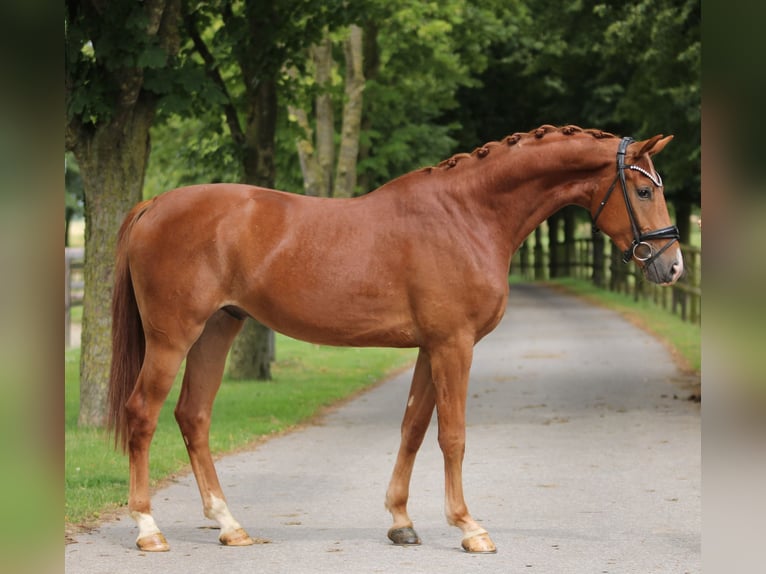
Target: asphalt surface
{"points": [[582, 456]]}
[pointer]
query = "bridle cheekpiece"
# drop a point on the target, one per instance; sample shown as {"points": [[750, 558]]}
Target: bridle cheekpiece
{"points": [[639, 249]]}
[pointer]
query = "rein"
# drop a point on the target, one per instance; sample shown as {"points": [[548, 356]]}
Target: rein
{"points": [[639, 249]]}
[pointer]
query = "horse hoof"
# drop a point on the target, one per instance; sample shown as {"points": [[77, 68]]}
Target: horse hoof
{"points": [[478, 543], [405, 536], [153, 543], [236, 537]]}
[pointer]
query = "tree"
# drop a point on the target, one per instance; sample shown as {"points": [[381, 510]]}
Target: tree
{"points": [[659, 42], [317, 157], [115, 55]]}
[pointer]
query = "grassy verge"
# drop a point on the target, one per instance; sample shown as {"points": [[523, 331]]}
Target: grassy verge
{"points": [[307, 378], [683, 338]]}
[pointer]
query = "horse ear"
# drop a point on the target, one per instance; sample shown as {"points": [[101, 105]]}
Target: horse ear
{"points": [[653, 145]]}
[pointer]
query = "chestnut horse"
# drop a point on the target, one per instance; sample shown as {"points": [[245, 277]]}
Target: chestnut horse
{"points": [[420, 262]]}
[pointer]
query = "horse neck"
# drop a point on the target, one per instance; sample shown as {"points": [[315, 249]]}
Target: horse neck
{"points": [[525, 184]]}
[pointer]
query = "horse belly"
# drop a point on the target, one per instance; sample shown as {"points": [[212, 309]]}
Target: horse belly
{"points": [[335, 318]]}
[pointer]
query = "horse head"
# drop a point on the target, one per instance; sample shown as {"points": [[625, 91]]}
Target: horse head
{"points": [[637, 219]]}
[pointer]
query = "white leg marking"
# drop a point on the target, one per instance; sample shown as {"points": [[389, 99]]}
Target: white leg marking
{"points": [[146, 524], [219, 511]]}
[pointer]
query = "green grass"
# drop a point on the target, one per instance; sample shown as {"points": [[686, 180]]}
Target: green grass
{"points": [[306, 378], [683, 337]]}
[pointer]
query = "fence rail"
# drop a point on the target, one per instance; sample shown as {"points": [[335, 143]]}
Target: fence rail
{"points": [[597, 260], [74, 259]]}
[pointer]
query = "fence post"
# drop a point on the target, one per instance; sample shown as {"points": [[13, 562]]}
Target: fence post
{"points": [[539, 269], [73, 259], [599, 278], [570, 248], [67, 301], [617, 273], [524, 259]]}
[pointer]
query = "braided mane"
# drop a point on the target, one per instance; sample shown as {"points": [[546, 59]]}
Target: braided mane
{"points": [[511, 140]]}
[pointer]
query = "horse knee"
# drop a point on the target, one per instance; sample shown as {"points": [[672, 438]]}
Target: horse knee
{"points": [[452, 443], [193, 425], [140, 424], [412, 439]]}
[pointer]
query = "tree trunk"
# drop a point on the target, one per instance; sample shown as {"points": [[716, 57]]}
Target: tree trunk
{"points": [[317, 158], [312, 176], [252, 352], [325, 120], [345, 178], [112, 162], [251, 355], [371, 63]]}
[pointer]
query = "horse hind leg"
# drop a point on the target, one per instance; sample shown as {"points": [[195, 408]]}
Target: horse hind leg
{"points": [[142, 412], [417, 417], [204, 369]]}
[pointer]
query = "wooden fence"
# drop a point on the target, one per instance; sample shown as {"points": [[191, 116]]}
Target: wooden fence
{"points": [[597, 260], [74, 258]]}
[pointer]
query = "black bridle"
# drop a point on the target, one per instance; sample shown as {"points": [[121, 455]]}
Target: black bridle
{"points": [[639, 249]]}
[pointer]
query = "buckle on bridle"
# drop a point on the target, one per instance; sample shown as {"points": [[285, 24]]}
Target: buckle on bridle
{"points": [[642, 250]]}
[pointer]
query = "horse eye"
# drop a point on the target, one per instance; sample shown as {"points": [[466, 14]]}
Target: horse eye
{"points": [[644, 193]]}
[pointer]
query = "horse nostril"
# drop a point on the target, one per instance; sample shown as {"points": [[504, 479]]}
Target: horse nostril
{"points": [[677, 270]]}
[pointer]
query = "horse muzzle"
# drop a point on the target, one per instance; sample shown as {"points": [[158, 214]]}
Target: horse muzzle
{"points": [[665, 269]]}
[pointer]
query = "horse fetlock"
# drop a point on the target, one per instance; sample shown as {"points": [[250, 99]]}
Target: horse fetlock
{"points": [[217, 509], [149, 539]]}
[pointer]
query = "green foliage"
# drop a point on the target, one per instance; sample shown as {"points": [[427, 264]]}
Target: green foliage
{"points": [[659, 42], [103, 50], [428, 51], [188, 151]]}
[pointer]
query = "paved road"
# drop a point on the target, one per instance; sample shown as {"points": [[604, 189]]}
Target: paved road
{"points": [[579, 460]]}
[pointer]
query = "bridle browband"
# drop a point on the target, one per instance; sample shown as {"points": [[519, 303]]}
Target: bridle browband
{"points": [[639, 249]]}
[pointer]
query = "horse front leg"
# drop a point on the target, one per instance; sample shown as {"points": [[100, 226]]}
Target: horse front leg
{"points": [[417, 416], [450, 367], [205, 364]]}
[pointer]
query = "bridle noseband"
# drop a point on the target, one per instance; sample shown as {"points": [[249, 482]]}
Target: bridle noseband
{"points": [[639, 249]]}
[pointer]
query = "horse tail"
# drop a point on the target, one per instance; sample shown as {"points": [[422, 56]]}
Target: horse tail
{"points": [[128, 343]]}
